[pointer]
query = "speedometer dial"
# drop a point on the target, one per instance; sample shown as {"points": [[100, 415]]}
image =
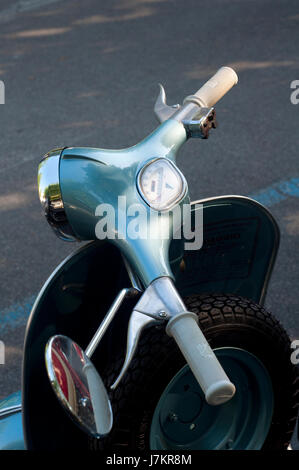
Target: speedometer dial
{"points": [[161, 184]]}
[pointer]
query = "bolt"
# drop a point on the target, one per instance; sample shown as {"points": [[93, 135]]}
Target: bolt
{"points": [[229, 444], [83, 401], [162, 314], [172, 416]]}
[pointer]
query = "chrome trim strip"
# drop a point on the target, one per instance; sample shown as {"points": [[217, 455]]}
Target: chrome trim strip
{"points": [[10, 410]]}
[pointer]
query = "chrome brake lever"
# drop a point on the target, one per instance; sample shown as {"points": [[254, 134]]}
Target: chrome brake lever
{"points": [[137, 323], [159, 302]]}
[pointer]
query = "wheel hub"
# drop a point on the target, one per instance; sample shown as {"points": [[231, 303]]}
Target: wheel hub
{"points": [[183, 419]]}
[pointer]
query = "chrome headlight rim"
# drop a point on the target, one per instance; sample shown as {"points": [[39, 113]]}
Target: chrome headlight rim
{"points": [[50, 195]]}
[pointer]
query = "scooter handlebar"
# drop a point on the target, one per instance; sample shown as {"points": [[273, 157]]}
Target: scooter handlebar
{"points": [[215, 88], [200, 357]]}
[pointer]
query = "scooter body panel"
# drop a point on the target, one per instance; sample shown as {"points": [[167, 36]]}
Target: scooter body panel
{"points": [[240, 244], [11, 429]]}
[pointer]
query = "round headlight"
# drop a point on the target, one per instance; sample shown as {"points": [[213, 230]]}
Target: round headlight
{"points": [[50, 195]]}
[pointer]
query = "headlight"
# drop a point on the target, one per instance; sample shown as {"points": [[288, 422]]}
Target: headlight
{"points": [[50, 195], [161, 184]]}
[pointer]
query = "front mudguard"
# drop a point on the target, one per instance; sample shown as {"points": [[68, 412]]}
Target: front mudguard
{"points": [[240, 244]]}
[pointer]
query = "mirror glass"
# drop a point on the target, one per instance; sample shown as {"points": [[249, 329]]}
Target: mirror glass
{"points": [[78, 386]]}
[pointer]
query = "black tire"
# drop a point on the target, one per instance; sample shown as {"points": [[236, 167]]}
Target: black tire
{"points": [[226, 320]]}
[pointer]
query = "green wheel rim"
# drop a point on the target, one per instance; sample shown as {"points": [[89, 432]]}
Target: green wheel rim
{"points": [[183, 420]]}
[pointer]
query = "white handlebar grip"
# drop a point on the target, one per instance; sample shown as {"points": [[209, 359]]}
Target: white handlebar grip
{"points": [[215, 88], [201, 359]]}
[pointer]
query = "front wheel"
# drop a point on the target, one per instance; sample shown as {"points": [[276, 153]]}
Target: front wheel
{"points": [[160, 406]]}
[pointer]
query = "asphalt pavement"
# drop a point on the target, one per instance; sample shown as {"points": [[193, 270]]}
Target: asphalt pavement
{"points": [[86, 74]]}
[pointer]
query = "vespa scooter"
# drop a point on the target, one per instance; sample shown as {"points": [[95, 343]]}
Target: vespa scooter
{"points": [[153, 336]]}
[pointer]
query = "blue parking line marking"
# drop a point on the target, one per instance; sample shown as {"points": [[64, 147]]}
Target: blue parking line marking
{"points": [[16, 315], [277, 192], [268, 197]]}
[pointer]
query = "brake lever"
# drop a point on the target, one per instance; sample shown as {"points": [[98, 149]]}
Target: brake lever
{"points": [[137, 323], [150, 309]]}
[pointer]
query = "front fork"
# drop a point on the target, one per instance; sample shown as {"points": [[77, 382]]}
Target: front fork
{"points": [[161, 303]]}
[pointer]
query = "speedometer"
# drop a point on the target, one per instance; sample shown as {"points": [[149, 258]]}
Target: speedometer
{"points": [[161, 184]]}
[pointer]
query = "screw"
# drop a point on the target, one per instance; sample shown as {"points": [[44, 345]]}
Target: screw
{"points": [[162, 314], [172, 416], [229, 444], [83, 401]]}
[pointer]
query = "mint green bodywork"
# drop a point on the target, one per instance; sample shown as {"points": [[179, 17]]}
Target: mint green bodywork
{"points": [[11, 429], [90, 176]]}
